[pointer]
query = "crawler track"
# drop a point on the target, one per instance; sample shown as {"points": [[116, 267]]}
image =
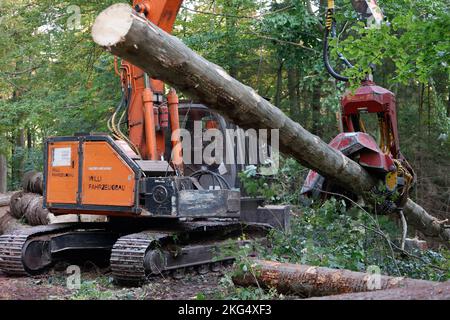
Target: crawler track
{"points": [[12, 246], [128, 253], [135, 255]]}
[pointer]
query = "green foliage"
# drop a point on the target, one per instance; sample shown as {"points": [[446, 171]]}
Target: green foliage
{"points": [[280, 188], [228, 291], [90, 290], [53, 79], [333, 236], [330, 235], [414, 39]]}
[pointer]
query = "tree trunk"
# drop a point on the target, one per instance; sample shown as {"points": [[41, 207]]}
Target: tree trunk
{"points": [[448, 103], [121, 31], [429, 114], [29, 139], [9, 224], [308, 281], [5, 199], [279, 87], [230, 28], [3, 174], [30, 207], [18, 157], [316, 108], [438, 291], [294, 101]]}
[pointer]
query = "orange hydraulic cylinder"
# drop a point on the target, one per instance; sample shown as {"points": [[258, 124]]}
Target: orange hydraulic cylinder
{"points": [[177, 154], [149, 123]]}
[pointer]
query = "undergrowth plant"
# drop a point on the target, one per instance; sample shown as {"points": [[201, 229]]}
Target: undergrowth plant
{"points": [[330, 234]]}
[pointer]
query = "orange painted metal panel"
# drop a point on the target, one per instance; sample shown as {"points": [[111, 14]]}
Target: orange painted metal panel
{"points": [[62, 176], [106, 179], [163, 13]]}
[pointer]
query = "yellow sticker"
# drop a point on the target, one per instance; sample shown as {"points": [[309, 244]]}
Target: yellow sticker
{"points": [[391, 181]]}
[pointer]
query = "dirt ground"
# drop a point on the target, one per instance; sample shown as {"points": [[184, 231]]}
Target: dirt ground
{"points": [[99, 285]]}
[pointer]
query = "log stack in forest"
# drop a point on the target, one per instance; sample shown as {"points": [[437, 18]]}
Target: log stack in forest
{"points": [[29, 207], [33, 181], [8, 223], [124, 33], [5, 198]]}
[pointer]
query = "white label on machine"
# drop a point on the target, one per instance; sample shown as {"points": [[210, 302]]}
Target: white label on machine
{"points": [[222, 169], [62, 157]]}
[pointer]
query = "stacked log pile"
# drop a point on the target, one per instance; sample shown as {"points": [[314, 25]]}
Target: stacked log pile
{"points": [[33, 182], [8, 223], [29, 207]]}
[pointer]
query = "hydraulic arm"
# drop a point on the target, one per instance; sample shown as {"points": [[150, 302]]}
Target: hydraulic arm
{"points": [[383, 157]]}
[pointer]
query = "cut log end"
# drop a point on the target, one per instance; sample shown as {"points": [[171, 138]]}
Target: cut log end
{"points": [[112, 25]]}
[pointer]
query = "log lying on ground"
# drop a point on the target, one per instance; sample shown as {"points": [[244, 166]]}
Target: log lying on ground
{"points": [[308, 281], [33, 182], [9, 224], [30, 207], [438, 291], [5, 198], [124, 33]]}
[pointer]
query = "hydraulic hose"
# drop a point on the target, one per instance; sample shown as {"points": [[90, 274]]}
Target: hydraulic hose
{"points": [[330, 27]]}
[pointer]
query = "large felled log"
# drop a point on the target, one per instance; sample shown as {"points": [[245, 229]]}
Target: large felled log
{"points": [[124, 33], [5, 199], [438, 291], [30, 207], [33, 182], [9, 224], [308, 281]]}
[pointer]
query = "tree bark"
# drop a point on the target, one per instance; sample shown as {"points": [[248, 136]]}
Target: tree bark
{"points": [[5, 199], [294, 101], [9, 224], [438, 291], [29, 206], [33, 182], [3, 174], [317, 92], [18, 156], [124, 33], [30, 138], [448, 103], [308, 281], [279, 87]]}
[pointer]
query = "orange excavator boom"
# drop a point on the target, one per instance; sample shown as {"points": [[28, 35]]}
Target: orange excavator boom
{"points": [[147, 110]]}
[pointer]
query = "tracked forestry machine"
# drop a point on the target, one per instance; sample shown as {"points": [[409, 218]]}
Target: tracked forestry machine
{"points": [[161, 214]]}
